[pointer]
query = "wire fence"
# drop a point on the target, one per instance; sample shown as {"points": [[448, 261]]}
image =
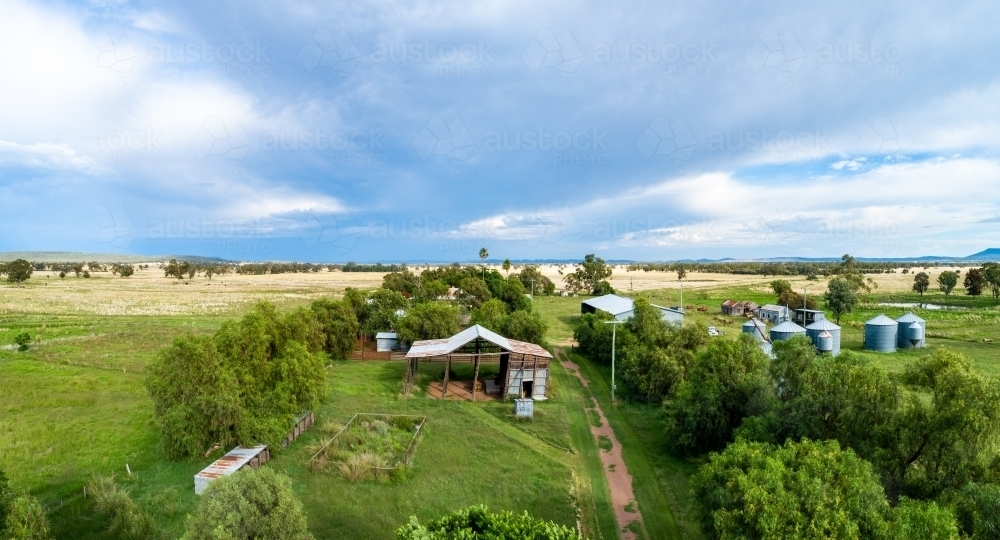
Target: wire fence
{"points": [[319, 461]]}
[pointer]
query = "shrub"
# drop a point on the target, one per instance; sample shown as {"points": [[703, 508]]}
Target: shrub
{"points": [[22, 340], [128, 521], [477, 522], [250, 504]]}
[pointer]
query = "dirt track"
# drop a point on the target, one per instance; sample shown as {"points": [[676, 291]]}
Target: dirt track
{"points": [[618, 477]]}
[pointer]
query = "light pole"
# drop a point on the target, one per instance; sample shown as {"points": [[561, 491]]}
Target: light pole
{"points": [[614, 327]]}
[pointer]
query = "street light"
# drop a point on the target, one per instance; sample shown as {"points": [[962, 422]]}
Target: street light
{"points": [[614, 328]]}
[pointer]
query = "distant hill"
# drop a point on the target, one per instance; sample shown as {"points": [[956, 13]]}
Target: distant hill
{"points": [[991, 254], [77, 256]]}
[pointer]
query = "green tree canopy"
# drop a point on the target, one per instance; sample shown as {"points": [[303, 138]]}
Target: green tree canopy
{"points": [[921, 282], [728, 382], [429, 320], [799, 490], [19, 271], [473, 292], [588, 275], [249, 505], [991, 275], [974, 282], [947, 281], [339, 324], [543, 285], [525, 326], [780, 286], [840, 297], [242, 385], [478, 522]]}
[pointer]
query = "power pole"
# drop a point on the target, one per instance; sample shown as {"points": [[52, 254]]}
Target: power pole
{"points": [[532, 290], [614, 327]]}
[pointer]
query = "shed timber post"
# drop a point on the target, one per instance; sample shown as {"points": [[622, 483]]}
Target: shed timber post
{"points": [[447, 375], [475, 379]]}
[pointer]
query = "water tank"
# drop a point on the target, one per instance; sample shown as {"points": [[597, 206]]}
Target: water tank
{"points": [[824, 342], [904, 339], [880, 334], [786, 330], [755, 328], [817, 328]]}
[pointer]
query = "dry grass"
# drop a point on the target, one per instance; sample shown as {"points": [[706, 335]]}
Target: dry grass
{"points": [[148, 292]]}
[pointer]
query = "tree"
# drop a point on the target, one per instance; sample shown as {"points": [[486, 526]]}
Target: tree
{"points": [[532, 279], [991, 274], [795, 300], [340, 325], [525, 326], [974, 282], [126, 270], [506, 266], [944, 432], [22, 341], [681, 272], [588, 275], [242, 385], [840, 297], [478, 522], [977, 508], [727, 383], [250, 504], [430, 320], [593, 336], [483, 255], [473, 292], [19, 271], [404, 281], [921, 282], [947, 281], [780, 286], [492, 314], [798, 490]]}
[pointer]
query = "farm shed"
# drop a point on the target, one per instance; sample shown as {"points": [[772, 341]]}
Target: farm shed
{"points": [[774, 314], [236, 459], [622, 308], [524, 367], [911, 332], [386, 342], [880, 334], [738, 308], [805, 317]]}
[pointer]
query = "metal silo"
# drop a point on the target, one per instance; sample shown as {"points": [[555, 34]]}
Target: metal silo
{"points": [[755, 328], [786, 330], [825, 325], [824, 342], [880, 334], [909, 336]]}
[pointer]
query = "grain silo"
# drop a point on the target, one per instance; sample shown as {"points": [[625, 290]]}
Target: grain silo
{"points": [[755, 328], [817, 328], [911, 332], [824, 342], [880, 334], [786, 330]]}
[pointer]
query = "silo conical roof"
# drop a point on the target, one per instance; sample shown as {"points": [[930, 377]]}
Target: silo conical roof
{"points": [[823, 324], [788, 327], [881, 320], [909, 318]]}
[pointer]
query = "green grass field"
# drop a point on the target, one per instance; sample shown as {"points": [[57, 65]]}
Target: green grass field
{"points": [[75, 405]]}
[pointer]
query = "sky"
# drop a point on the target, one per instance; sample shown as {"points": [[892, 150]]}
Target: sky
{"points": [[423, 131]]}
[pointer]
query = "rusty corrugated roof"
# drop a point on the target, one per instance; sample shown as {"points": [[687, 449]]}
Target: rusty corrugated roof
{"points": [[439, 347]]}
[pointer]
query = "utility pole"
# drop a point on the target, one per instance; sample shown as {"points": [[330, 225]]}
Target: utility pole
{"points": [[805, 304], [614, 327], [532, 290]]}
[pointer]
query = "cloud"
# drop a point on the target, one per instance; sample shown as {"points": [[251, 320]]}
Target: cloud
{"points": [[45, 156]]}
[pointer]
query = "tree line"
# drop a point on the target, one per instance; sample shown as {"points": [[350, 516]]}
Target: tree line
{"points": [[807, 445]]}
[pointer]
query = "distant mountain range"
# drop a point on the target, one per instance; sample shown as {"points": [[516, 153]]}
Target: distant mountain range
{"points": [[76, 256], [987, 255]]}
